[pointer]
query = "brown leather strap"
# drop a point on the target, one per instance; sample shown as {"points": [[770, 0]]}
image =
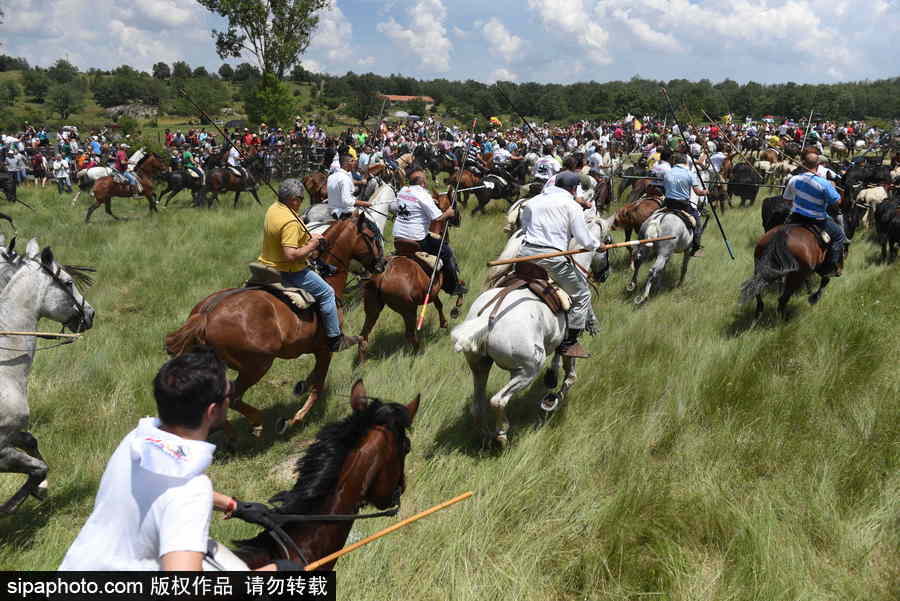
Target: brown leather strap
{"points": [[498, 298]]}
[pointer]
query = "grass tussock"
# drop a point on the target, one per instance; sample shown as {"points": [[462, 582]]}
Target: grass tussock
{"points": [[700, 456]]}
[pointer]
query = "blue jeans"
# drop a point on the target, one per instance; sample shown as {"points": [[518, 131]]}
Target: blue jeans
{"points": [[838, 238], [313, 283]]}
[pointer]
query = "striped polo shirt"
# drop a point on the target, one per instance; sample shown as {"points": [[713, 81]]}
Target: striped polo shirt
{"points": [[811, 195]]}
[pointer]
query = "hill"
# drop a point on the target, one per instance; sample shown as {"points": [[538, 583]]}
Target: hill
{"points": [[698, 457]]}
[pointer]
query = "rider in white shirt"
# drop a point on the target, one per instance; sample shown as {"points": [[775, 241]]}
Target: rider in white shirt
{"points": [[550, 220], [547, 166], [340, 190], [416, 211]]}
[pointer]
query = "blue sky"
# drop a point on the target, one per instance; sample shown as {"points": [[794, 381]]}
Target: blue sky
{"points": [[518, 40]]}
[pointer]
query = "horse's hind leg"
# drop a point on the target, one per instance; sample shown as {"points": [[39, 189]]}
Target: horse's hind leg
{"points": [[442, 319], [237, 195], [815, 296], [658, 266], [151, 202], [315, 383], [481, 369], [792, 283], [255, 196], [373, 305], [636, 260], [521, 378], [108, 206], [251, 370], [28, 443], [684, 266], [16, 461]]}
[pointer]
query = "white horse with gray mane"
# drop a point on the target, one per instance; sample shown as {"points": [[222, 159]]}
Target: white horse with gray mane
{"points": [[31, 287], [519, 341], [383, 201], [658, 225]]}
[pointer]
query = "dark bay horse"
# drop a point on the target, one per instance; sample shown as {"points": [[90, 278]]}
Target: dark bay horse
{"points": [[223, 179], [403, 286], [148, 167], [316, 185], [790, 253], [250, 329], [357, 461], [177, 180]]}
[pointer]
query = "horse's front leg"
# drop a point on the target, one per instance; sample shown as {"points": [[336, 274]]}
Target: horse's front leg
{"points": [[237, 195], [684, 266], [442, 320], [815, 296], [16, 461], [658, 266], [316, 384]]}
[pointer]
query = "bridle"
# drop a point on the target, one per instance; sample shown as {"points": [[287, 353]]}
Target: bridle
{"points": [[373, 243], [68, 288]]}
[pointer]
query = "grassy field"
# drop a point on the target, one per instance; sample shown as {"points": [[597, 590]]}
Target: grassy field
{"points": [[698, 458]]}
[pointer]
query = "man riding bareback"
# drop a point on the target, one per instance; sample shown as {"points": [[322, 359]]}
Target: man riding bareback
{"points": [[550, 221], [416, 211], [287, 246]]}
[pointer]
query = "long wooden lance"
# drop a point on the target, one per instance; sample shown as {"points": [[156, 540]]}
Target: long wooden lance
{"points": [[516, 111], [576, 251], [712, 206], [386, 531], [808, 127]]}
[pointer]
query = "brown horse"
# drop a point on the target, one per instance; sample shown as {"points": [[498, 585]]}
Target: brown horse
{"points": [[223, 179], [630, 217], [316, 185], [251, 328], [108, 187], [403, 286], [357, 461], [460, 181], [395, 177], [790, 253]]}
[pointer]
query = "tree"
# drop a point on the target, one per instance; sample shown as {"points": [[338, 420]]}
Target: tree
{"points": [[276, 32], [269, 101], [65, 100], [300, 74], [181, 70], [9, 91], [201, 72], [364, 103], [225, 71], [62, 71], [36, 83], [206, 92], [245, 72], [161, 71]]}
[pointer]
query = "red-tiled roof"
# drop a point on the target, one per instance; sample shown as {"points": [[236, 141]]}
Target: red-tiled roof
{"points": [[397, 98]]}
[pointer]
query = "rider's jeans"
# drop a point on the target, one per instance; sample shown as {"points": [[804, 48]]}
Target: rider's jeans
{"points": [[570, 279], [313, 283]]}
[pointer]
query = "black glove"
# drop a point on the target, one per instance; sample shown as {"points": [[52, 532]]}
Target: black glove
{"points": [[254, 513]]}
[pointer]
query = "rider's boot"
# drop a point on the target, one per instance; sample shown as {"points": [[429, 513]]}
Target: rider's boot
{"points": [[832, 267], [570, 347], [452, 284], [695, 243], [341, 342]]}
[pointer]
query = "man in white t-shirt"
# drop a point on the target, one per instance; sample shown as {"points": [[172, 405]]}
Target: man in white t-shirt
{"points": [[547, 166], [340, 190], [155, 501], [416, 211]]}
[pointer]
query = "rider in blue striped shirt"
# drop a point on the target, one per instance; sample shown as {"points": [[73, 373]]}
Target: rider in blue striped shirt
{"points": [[812, 195]]}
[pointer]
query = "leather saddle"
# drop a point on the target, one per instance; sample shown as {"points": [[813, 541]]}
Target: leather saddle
{"points": [[535, 278], [236, 171], [687, 218], [263, 277], [410, 250], [820, 234]]}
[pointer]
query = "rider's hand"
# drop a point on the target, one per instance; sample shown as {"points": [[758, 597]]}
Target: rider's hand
{"points": [[254, 513], [363, 203]]}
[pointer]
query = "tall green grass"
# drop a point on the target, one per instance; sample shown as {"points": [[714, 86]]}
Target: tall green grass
{"points": [[697, 457]]}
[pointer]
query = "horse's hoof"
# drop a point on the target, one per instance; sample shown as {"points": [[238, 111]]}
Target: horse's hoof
{"points": [[300, 388], [814, 298], [639, 300], [41, 490], [257, 431], [454, 313], [630, 287], [550, 402], [501, 439], [281, 426]]}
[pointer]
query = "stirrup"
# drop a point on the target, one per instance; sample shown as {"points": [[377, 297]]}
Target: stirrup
{"points": [[575, 351]]}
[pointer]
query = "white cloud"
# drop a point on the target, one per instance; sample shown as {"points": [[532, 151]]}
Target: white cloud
{"points": [[570, 19], [333, 34], [369, 60], [503, 74], [501, 42], [645, 33], [426, 35], [167, 13]]}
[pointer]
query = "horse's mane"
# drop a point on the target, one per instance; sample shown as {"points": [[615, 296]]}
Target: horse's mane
{"points": [[320, 466]]}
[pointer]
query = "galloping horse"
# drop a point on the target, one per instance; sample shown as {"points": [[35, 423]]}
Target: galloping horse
{"points": [[357, 461], [223, 179], [657, 226], [106, 188], [403, 287], [180, 179], [788, 253], [251, 328], [633, 215], [33, 286]]}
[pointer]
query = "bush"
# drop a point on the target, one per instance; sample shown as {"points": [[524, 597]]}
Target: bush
{"points": [[36, 84], [65, 99], [9, 91], [269, 101], [128, 125]]}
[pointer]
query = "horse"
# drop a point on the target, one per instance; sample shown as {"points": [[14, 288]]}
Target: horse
{"points": [[106, 188], [631, 216], [383, 203], [356, 461], [460, 180], [250, 328], [223, 179], [86, 178], [33, 286], [887, 227], [316, 185], [177, 180], [788, 253], [519, 340], [496, 186], [660, 224], [403, 286]]}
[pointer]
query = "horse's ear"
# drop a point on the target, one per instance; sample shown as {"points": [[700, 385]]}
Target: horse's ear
{"points": [[32, 250], [47, 256], [358, 399], [413, 407]]}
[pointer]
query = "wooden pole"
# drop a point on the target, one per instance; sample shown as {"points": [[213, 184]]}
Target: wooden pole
{"points": [[40, 334], [564, 253], [386, 531]]}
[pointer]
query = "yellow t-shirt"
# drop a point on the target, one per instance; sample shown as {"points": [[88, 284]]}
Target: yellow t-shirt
{"points": [[282, 229]]}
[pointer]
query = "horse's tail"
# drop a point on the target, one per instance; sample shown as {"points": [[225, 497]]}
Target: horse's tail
{"points": [[774, 263], [469, 336], [191, 334]]}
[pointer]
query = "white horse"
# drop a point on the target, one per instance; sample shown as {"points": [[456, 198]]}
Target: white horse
{"points": [[661, 224], [519, 340], [33, 286], [383, 201]]}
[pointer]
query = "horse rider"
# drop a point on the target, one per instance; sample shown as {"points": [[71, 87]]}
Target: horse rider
{"points": [[473, 160], [340, 190], [679, 182], [155, 502], [191, 165], [287, 246], [234, 160], [121, 165], [547, 166], [416, 211], [812, 195], [550, 221]]}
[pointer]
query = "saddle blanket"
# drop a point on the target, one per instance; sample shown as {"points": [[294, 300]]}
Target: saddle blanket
{"points": [[118, 177], [684, 216], [268, 279]]}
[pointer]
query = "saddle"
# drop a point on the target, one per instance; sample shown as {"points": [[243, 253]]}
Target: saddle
{"points": [[820, 234], [263, 277], [536, 279], [687, 218], [237, 171], [410, 250], [192, 172]]}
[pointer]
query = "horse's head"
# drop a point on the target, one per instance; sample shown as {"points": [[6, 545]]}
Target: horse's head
{"points": [[384, 447], [368, 247], [55, 287]]}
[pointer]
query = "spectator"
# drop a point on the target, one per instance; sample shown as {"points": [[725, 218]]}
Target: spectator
{"points": [[61, 173]]}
